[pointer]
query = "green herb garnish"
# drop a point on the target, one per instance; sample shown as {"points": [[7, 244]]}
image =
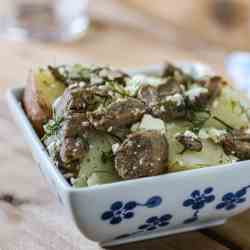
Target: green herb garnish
{"points": [[198, 119], [115, 87], [52, 127], [68, 75]]}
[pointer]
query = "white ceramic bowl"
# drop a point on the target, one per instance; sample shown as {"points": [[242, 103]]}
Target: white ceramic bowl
{"points": [[149, 207]]}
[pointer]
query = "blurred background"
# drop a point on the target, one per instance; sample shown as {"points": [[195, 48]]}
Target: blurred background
{"points": [[124, 33]]}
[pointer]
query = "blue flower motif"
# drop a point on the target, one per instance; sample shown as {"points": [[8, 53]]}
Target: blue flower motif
{"points": [[150, 224], [154, 201], [230, 200], [155, 222], [198, 199], [119, 211]]}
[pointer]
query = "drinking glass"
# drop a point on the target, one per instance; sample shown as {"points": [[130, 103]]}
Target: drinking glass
{"points": [[49, 20]]}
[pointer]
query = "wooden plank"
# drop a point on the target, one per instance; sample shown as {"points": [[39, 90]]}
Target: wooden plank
{"points": [[236, 231], [31, 217], [192, 240]]}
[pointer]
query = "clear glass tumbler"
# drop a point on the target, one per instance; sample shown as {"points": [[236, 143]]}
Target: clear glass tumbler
{"points": [[46, 20]]}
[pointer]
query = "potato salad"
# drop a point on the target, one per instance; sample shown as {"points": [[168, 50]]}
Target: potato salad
{"points": [[102, 125]]}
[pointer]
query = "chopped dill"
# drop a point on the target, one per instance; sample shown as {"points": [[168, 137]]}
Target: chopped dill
{"points": [[117, 88], [51, 127]]}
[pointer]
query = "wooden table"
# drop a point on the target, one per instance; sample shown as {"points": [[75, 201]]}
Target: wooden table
{"points": [[124, 34]]}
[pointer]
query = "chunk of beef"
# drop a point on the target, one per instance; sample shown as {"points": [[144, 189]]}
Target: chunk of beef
{"points": [[73, 149], [119, 114], [78, 98], [237, 143], [190, 142], [165, 101], [142, 154], [93, 75], [204, 92]]}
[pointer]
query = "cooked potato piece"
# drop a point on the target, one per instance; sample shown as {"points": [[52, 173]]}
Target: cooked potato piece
{"points": [[40, 93], [97, 167], [179, 160], [231, 108], [192, 160]]}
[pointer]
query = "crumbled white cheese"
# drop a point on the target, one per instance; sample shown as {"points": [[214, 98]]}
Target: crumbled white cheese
{"points": [[110, 129], [180, 162], [72, 180], [72, 86], [115, 148], [82, 84], [62, 70], [56, 103], [162, 109], [215, 104], [129, 143], [137, 111], [247, 131], [51, 146], [134, 167], [212, 133], [85, 124], [141, 161], [137, 81], [203, 134], [189, 133], [144, 79], [177, 98], [148, 122], [195, 91]]}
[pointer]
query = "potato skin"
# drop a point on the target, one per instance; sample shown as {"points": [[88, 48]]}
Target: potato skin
{"points": [[40, 92], [38, 114]]}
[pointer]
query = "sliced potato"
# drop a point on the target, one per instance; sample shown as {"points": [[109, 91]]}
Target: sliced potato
{"points": [[192, 160], [231, 108], [179, 160], [94, 168], [40, 93]]}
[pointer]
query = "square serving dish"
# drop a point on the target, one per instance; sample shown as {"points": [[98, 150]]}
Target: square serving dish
{"points": [[148, 207]]}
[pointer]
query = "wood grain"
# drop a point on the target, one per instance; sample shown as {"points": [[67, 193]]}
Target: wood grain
{"points": [[236, 231], [123, 34]]}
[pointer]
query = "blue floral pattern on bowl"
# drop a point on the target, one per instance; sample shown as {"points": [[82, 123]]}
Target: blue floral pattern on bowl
{"points": [[155, 222], [197, 201], [120, 210], [151, 224], [231, 200]]}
